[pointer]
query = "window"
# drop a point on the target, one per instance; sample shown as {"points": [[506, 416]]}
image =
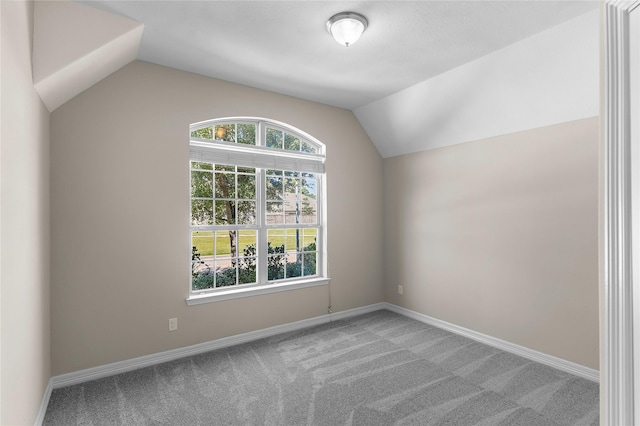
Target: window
{"points": [[257, 209]]}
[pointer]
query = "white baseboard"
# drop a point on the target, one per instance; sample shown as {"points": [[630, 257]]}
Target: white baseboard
{"points": [[94, 373], [44, 404], [542, 358], [358, 311], [170, 355], [99, 372]]}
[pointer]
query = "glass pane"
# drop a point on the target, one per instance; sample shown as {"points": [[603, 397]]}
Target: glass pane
{"points": [[293, 239], [203, 243], [201, 184], [274, 172], [225, 212], [291, 143], [202, 280], [274, 188], [225, 185], [274, 138], [294, 269], [308, 147], [308, 201], [247, 270], [275, 250], [201, 212], [309, 263], [292, 200], [201, 165], [309, 242], [246, 212], [225, 167], [247, 134], [247, 187], [225, 246], [274, 213], [247, 243], [292, 174], [204, 133], [225, 263], [226, 276], [308, 210], [275, 267], [306, 175], [225, 132], [247, 263], [246, 170], [202, 246], [275, 241]]}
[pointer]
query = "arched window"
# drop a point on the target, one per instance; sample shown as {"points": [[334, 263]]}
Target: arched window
{"points": [[257, 209]]}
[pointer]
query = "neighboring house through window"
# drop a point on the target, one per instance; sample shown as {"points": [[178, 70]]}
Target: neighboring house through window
{"points": [[257, 209]]}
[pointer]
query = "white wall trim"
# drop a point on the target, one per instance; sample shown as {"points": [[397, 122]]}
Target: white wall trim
{"points": [[94, 373], [99, 372], [617, 364], [542, 358], [173, 354], [44, 404], [634, 72], [219, 296]]}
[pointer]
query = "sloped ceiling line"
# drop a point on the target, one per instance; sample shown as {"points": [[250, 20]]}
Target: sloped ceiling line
{"points": [[75, 46], [544, 79], [549, 78]]}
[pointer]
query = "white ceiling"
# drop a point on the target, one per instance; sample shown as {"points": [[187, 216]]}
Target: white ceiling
{"points": [[283, 46]]}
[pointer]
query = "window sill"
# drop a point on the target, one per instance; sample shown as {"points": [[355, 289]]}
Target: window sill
{"points": [[218, 296]]}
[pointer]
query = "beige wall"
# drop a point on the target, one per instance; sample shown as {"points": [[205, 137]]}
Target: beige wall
{"points": [[501, 236], [24, 275], [120, 216], [498, 235]]}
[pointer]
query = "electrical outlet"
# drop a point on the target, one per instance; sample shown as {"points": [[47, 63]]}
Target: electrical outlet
{"points": [[400, 289], [173, 324]]}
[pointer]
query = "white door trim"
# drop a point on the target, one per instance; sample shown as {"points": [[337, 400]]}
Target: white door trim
{"points": [[617, 384], [634, 73]]}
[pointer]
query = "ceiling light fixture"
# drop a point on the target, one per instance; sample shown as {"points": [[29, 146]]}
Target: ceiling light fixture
{"points": [[347, 27]]}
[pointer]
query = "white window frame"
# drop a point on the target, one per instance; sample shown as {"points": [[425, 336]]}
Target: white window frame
{"points": [[262, 158]]}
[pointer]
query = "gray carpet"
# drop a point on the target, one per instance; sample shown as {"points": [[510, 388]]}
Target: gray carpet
{"points": [[376, 369]]}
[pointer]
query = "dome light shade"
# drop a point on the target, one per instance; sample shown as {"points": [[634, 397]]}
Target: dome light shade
{"points": [[347, 27]]}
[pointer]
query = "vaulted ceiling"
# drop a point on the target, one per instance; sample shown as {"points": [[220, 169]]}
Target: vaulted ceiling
{"points": [[283, 46]]}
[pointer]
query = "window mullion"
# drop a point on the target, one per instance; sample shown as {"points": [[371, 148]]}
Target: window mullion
{"points": [[260, 140], [236, 207], [262, 219], [261, 207], [320, 221]]}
